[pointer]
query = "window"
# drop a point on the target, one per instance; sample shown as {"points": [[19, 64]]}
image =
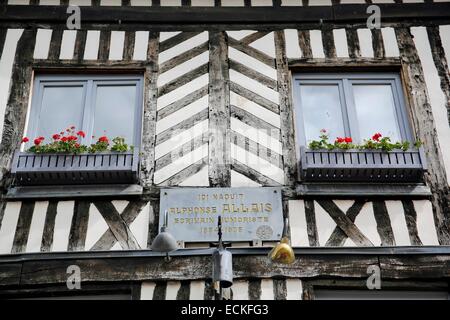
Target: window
{"points": [[99, 105], [354, 105]]}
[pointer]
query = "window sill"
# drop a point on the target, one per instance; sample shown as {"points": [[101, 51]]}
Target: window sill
{"points": [[74, 191], [351, 190]]}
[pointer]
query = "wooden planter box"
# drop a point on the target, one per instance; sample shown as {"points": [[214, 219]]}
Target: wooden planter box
{"points": [[86, 168], [362, 165]]}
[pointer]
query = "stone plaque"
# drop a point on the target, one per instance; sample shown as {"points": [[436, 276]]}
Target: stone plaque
{"points": [[247, 213]]}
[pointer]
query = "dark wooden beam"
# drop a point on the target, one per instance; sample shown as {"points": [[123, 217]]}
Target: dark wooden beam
{"points": [[384, 226], [344, 222], [425, 128], [78, 228], [23, 227], [129, 214], [311, 225], [119, 267], [117, 224], [213, 15], [3, 32], [286, 110], [10, 274], [150, 107], [338, 236], [49, 227], [411, 222]]}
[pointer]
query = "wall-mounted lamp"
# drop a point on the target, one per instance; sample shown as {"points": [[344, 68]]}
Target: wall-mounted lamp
{"points": [[222, 269], [164, 241], [282, 252]]}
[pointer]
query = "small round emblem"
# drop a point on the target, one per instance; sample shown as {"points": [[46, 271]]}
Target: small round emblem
{"points": [[264, 232]]}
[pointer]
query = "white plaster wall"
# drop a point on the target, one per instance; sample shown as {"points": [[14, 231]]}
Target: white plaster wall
{"points": [[43, 38], [365, 43], [340, 42], [297, 223], [8, 226], [390, 42], [316, 44], [68, 44], [92, 45], [292, 46], [37, 227], [294, 289], [63, 221], [147, 290]]}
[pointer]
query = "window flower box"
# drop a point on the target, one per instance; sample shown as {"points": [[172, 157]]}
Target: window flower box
{"points": [[85, 168], [355, 165]]}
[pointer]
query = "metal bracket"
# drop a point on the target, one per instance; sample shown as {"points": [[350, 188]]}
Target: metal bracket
{"points": [[180, 244], [257, 243]]}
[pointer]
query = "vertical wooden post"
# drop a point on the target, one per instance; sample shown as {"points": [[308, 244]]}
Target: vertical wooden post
{"points": [[426, 132], [16, 109], [286, 107], [78, 228], [149, 121], [219, 111], [3, 32]]}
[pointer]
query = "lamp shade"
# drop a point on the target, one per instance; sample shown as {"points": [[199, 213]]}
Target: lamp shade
{"points": [[164, 242]]}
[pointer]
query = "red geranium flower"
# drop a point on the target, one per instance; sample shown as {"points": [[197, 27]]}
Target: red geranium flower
{"points": [[72, 127], [348, 140], [41, 138], [103, 139], [77, 145], [25, 140], [376, 137], [64, 139], [72, 138], [81, 134], [340, 140], [37, 141], [56, 136]]}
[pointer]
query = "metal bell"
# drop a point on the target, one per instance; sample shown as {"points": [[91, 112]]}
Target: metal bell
{"points": [[282, 252], [223, 267], [164, 241]]}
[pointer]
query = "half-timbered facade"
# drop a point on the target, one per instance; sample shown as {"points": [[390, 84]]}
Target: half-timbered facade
{"points": [[218, 87]]}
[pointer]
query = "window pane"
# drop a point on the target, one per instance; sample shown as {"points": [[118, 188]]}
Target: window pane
{"points": [[61, 108], [321, 109], [375, 111], [115, 112]]}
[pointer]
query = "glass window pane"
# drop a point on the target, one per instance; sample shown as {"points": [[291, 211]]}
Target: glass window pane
{"points": [[375, 111], [61, 107], [321, 107], [115, 108]]}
